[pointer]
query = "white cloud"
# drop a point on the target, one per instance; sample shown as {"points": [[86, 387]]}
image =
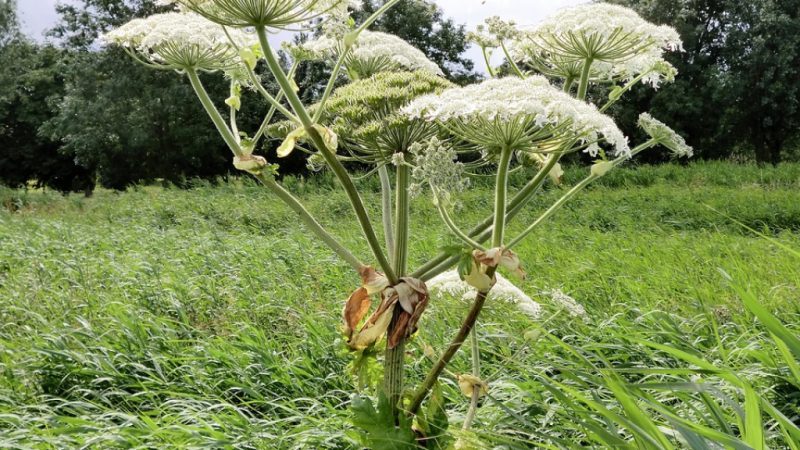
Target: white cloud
{"points": [[472, 12]]}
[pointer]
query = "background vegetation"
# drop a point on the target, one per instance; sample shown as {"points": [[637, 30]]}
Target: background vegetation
{"points": [[167, 318], [74, 114]]}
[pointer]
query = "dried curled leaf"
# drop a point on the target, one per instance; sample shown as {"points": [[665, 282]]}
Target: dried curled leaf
{"points": [[355, 309], [300, 134], [467, 383], [250, 163]]}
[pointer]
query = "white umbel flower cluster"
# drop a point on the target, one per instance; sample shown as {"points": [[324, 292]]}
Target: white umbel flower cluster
{"points": [[278, 14], [451, 284], [665, 136], [506, 100], [373, 52], [606, 26], [619, 42], [181, 41]]}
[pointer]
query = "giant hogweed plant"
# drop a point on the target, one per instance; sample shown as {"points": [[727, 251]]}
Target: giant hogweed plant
{"points": [[397, 115]]}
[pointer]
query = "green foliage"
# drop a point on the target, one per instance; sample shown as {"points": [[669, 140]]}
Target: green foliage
{"points": [[31, 81], [132, 124], [737, 89], [165, 318], [378, 425]]}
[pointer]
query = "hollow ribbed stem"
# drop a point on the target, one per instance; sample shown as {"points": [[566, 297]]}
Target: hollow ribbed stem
{"points": [[394, 370], [583, 86], [402, 213], [386, 203], [336, 166], [515, 207], [394, 365], [213, 113], [500, 197]]}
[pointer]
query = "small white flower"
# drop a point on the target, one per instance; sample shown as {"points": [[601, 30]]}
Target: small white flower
{"points": [[373, 52], [604, 32], [518, 113], [665, 136]]}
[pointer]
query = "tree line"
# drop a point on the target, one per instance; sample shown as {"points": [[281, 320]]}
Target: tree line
{"points": [[74, 114]]}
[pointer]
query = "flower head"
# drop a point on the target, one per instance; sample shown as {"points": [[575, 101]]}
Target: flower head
{"points": [[181, 41], [602, 32], [372, 53], [518, 114], [364, 114], [665, 136], [436, 165], [276, 14]]}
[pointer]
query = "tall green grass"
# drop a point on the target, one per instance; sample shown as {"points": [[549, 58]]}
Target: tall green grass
{"points": [[207, 318]]}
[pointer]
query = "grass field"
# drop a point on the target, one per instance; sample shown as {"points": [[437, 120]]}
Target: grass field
{"points": [[165, 318]]}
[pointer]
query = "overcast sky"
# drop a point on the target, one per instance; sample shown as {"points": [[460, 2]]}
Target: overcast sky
{"points": [[39, 15]]}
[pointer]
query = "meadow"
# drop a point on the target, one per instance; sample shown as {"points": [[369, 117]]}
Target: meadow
{"points": [[209, 318]]}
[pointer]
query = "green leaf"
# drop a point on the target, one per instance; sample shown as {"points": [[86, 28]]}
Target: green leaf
{"points": [[378, 426]]}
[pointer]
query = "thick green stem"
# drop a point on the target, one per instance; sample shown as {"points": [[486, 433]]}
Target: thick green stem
{"points": [[511, 61], [583, 87], [330, 157], [520, 200], [402, 213], [394, 365], [386, 203], [486, 59], [500, 197], [394, 370], [213, 113]]}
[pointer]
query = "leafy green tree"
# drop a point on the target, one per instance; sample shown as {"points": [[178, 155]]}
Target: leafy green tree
{"points": [[422, 23], [764, 76], [739, 83], [693, 103], [30, 81], [132, 124], [127, 122]]}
